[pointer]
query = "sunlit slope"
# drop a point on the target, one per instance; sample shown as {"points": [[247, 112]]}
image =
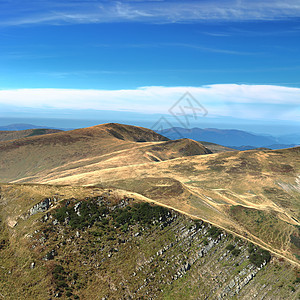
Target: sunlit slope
{"points": [[254, 193], [115, 239], [98, 147]]}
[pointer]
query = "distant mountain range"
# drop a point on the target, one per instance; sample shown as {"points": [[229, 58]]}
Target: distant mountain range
{"points": [[290, 138], [232, 138], [15, 127], [270, 147]]}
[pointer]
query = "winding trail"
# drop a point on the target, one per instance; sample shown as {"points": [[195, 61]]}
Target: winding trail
{"points": [[261, 244]]}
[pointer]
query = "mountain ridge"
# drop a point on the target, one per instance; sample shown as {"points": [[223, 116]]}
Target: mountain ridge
{"points": [[22, 126], [14, 135], [109, 145], [252, 193], [227, 137]]}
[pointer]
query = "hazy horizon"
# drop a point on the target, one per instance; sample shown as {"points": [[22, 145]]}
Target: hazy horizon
{"points": [[134, 61], [151, 123]]}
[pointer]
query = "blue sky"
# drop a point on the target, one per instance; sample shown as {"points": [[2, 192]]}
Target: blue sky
{"points": [[240, 59]]}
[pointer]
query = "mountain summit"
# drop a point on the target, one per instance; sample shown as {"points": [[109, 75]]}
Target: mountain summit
{"points": [[99, 147]]}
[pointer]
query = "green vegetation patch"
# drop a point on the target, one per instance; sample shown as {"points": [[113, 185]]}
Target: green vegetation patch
{"points": [[80, 214], [295, 239], [230, 247], [84, 214], [214, 232], [257, 255], [37, 132], [140, 212], [236, 252]]}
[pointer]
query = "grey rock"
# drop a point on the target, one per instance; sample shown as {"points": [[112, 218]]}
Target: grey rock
{"points": [[187, 266], [40, 207], [76, 208]]}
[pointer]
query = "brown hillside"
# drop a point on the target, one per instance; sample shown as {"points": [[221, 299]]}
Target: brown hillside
{"points": [[254, 193], [105, 131], [13, 135], [94, 148]]}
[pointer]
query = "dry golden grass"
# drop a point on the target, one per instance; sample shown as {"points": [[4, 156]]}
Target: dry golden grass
{"points": [[99, 147], [231, 189], [209, 186]]}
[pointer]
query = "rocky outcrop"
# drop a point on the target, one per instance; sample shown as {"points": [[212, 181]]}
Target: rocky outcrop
{"points": [[170, 256], [42, 206]]}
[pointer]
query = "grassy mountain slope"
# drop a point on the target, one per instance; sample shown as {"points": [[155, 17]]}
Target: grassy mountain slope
{"points": [[13, 135], [92, 243], [254, 194], [102, 146]]}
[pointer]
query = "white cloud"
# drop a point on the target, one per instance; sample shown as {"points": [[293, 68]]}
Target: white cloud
{"points": [[62, 12], [245, 101]]}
